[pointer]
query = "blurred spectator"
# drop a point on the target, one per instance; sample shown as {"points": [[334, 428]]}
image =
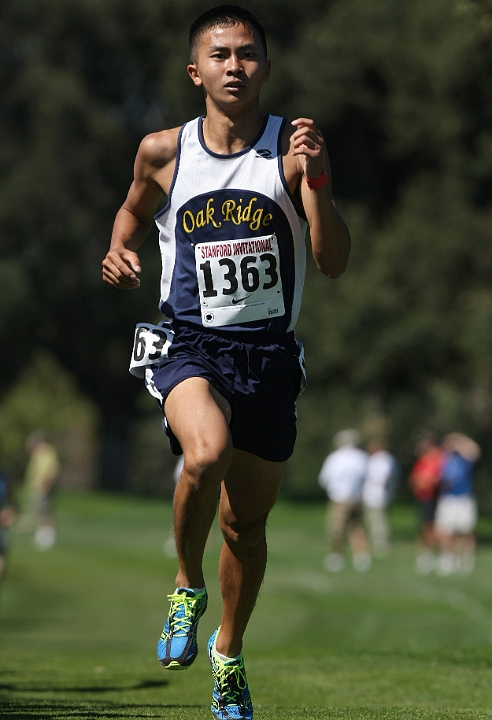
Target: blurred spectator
{"points": [[424, 480], [7, 517], [376, 494], [342, 477], [456, 514], [40, 480]]}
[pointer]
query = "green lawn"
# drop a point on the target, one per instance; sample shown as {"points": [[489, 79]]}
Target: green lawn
{"points": [[79, 625]]}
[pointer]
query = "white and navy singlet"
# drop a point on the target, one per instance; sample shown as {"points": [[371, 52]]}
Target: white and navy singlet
{"points": [[231, 241]]}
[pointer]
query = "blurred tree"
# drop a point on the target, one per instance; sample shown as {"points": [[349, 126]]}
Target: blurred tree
{"points": [[404, 90], [46, 399], [68, 161], [402, 93]]}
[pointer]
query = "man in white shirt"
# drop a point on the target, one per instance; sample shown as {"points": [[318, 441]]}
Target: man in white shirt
{"points": [[376, 494], [342, 477]]}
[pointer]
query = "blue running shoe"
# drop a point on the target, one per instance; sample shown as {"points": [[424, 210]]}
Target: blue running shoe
{"points": [[177, 646], [231, 699]]}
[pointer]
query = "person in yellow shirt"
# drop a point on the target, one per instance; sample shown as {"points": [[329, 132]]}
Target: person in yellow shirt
{"points": [[40, 478]]}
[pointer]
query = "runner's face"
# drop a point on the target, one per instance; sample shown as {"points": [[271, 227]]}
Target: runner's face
{"points": [[230, 65]]}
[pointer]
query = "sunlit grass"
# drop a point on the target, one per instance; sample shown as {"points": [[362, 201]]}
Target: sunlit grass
{"points": [[79, 625]]}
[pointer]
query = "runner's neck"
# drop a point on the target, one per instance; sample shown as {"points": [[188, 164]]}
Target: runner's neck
{"points": [[227, 135]]}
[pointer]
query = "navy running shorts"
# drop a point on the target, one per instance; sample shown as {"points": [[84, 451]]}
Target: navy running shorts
{"points": [[259, 374], [428, 510], [3, 542]]}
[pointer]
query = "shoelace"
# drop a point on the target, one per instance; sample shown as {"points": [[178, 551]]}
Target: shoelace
{"points": [[181, 613], [231, 680]]}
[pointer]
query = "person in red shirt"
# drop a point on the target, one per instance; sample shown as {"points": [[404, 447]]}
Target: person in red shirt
{"points": [[424, 480]]}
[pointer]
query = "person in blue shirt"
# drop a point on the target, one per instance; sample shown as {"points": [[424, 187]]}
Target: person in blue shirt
{"points": [[456, 514], [7, 517]]}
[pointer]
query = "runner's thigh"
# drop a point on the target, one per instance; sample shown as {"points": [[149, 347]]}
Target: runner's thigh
{"points": [[198, 415]]}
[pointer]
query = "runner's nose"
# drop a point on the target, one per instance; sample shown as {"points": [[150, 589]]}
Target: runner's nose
{"points": [[234, 66]]}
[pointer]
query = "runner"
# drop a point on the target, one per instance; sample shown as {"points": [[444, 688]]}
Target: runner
{"points": [[226, 367]]}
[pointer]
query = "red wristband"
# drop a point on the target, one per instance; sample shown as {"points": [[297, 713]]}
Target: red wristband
{"points": [[317, 183]]}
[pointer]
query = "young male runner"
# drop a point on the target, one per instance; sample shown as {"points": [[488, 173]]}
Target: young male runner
{"points": [[227, 371]]}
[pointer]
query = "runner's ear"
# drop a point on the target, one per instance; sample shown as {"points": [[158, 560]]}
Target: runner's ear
{"points": [[193, 73]]}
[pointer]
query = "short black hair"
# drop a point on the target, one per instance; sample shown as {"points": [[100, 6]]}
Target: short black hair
{"points": [[225, 15]]}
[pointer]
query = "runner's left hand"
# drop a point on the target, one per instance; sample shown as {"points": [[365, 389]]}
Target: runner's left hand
{"points": [[307, 142]]}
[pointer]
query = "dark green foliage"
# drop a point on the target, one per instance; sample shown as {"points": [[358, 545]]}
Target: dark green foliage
{"points": [[402, 93]]}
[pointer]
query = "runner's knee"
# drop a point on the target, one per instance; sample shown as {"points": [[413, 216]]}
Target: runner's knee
{"points": [[246, 537], [206, 461]]}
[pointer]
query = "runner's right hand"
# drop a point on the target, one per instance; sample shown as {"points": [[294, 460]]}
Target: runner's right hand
{"points": [[119, 269]]}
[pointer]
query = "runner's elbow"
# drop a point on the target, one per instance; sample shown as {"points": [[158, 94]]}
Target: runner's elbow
{"points": [[330, 267]]}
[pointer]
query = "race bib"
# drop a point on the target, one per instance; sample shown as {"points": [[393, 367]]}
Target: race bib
{"points": [[150, 346], [239, 281]]}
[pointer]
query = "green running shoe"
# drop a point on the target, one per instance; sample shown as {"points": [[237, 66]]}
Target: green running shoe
{"points": [[177, 647], [231, 699]]}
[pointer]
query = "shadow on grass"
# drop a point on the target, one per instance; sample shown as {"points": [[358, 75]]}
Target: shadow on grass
{"points": [[27, 710], [31, 687]]}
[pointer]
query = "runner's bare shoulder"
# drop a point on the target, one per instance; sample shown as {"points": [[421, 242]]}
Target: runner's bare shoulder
{"points": [[159, 149]]}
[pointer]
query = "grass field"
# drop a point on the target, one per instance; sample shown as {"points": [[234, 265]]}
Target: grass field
{"points": [[79, 625]]}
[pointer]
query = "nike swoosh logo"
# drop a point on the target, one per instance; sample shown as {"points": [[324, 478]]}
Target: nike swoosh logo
{"points": [[235, 301]]}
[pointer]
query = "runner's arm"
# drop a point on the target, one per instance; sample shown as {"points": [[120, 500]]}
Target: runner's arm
{"points": [[134, 219], [330, 238]]}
